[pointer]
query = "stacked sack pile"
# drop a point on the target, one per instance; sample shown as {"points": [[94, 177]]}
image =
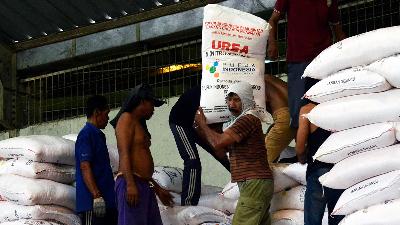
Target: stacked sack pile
{"points": [[218, 207], [212, 206], [359, 100], [287, 204], [35, 173]]}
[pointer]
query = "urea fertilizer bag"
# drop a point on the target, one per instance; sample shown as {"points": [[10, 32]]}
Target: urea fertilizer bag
{"points": [[388, 68], [39, 148], [13, 212], [28, 191], [347, 82], [290, 199], [346, 143], [358, 50], [363, 166], [386, 213], [233, 50], [369, 192], [357, 110], [28, 168]]}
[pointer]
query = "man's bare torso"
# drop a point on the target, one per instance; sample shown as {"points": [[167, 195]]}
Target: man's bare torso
{"points": [[142, 161]]}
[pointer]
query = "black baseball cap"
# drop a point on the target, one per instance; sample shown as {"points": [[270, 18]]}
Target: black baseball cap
{"points": [[140, 92]]}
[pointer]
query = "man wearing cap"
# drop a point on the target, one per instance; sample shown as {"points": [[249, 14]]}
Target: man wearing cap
{"points": [[135, 189], [95, 196], [243, 138]]}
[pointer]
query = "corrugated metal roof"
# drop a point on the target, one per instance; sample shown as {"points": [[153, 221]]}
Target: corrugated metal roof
{"points": [[22, 20]]}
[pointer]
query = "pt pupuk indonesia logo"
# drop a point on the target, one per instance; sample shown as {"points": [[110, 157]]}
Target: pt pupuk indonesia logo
{"points": [[212, 68]]}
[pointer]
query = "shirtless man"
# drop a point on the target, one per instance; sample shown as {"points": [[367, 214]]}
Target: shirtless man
{"points": [[135, 188], [280, 133]]}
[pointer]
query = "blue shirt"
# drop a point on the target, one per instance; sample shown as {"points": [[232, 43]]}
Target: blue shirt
{"points": [[91, 146]]}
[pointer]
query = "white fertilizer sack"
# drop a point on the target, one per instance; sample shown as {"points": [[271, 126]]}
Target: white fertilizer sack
{"points": [[357, 50], [398, 131], [39, 148], [114, 157], [71, 137], [195, 215], [28, 191], [28, 168], [363, 166], [32, 222], [233, 50], [290, 199], [358, 110], [281, 180], [170, 178], [346, 143], [13, 212], [288, 217], [231, 191], [369, 192], [381, 214], [213, 201], [347, 82], [297, 172], [388, 68]]}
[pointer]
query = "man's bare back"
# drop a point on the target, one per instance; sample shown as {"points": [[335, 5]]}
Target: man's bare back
{"points": [[276, 93]]}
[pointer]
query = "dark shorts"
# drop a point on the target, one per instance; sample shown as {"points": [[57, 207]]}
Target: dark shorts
{"points": [[146, 212], [296, 90]]}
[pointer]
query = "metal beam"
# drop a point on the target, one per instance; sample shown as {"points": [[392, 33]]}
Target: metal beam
{"points": [[107, 25]]}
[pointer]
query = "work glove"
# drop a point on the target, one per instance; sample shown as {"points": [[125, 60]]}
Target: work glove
{"points": [[99, 207]]}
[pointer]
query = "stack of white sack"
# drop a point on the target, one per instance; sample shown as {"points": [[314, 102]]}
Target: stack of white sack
{"points": [[287, 206], [216, 205], [34, 177], [112, 152], [358, 102], [212, 206]]}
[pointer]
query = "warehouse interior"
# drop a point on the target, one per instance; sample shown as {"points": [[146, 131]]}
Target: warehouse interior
{"points": [[55, 54]]}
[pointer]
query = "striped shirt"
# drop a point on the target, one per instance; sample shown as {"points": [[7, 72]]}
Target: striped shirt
{"points": [[248, 155]]}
